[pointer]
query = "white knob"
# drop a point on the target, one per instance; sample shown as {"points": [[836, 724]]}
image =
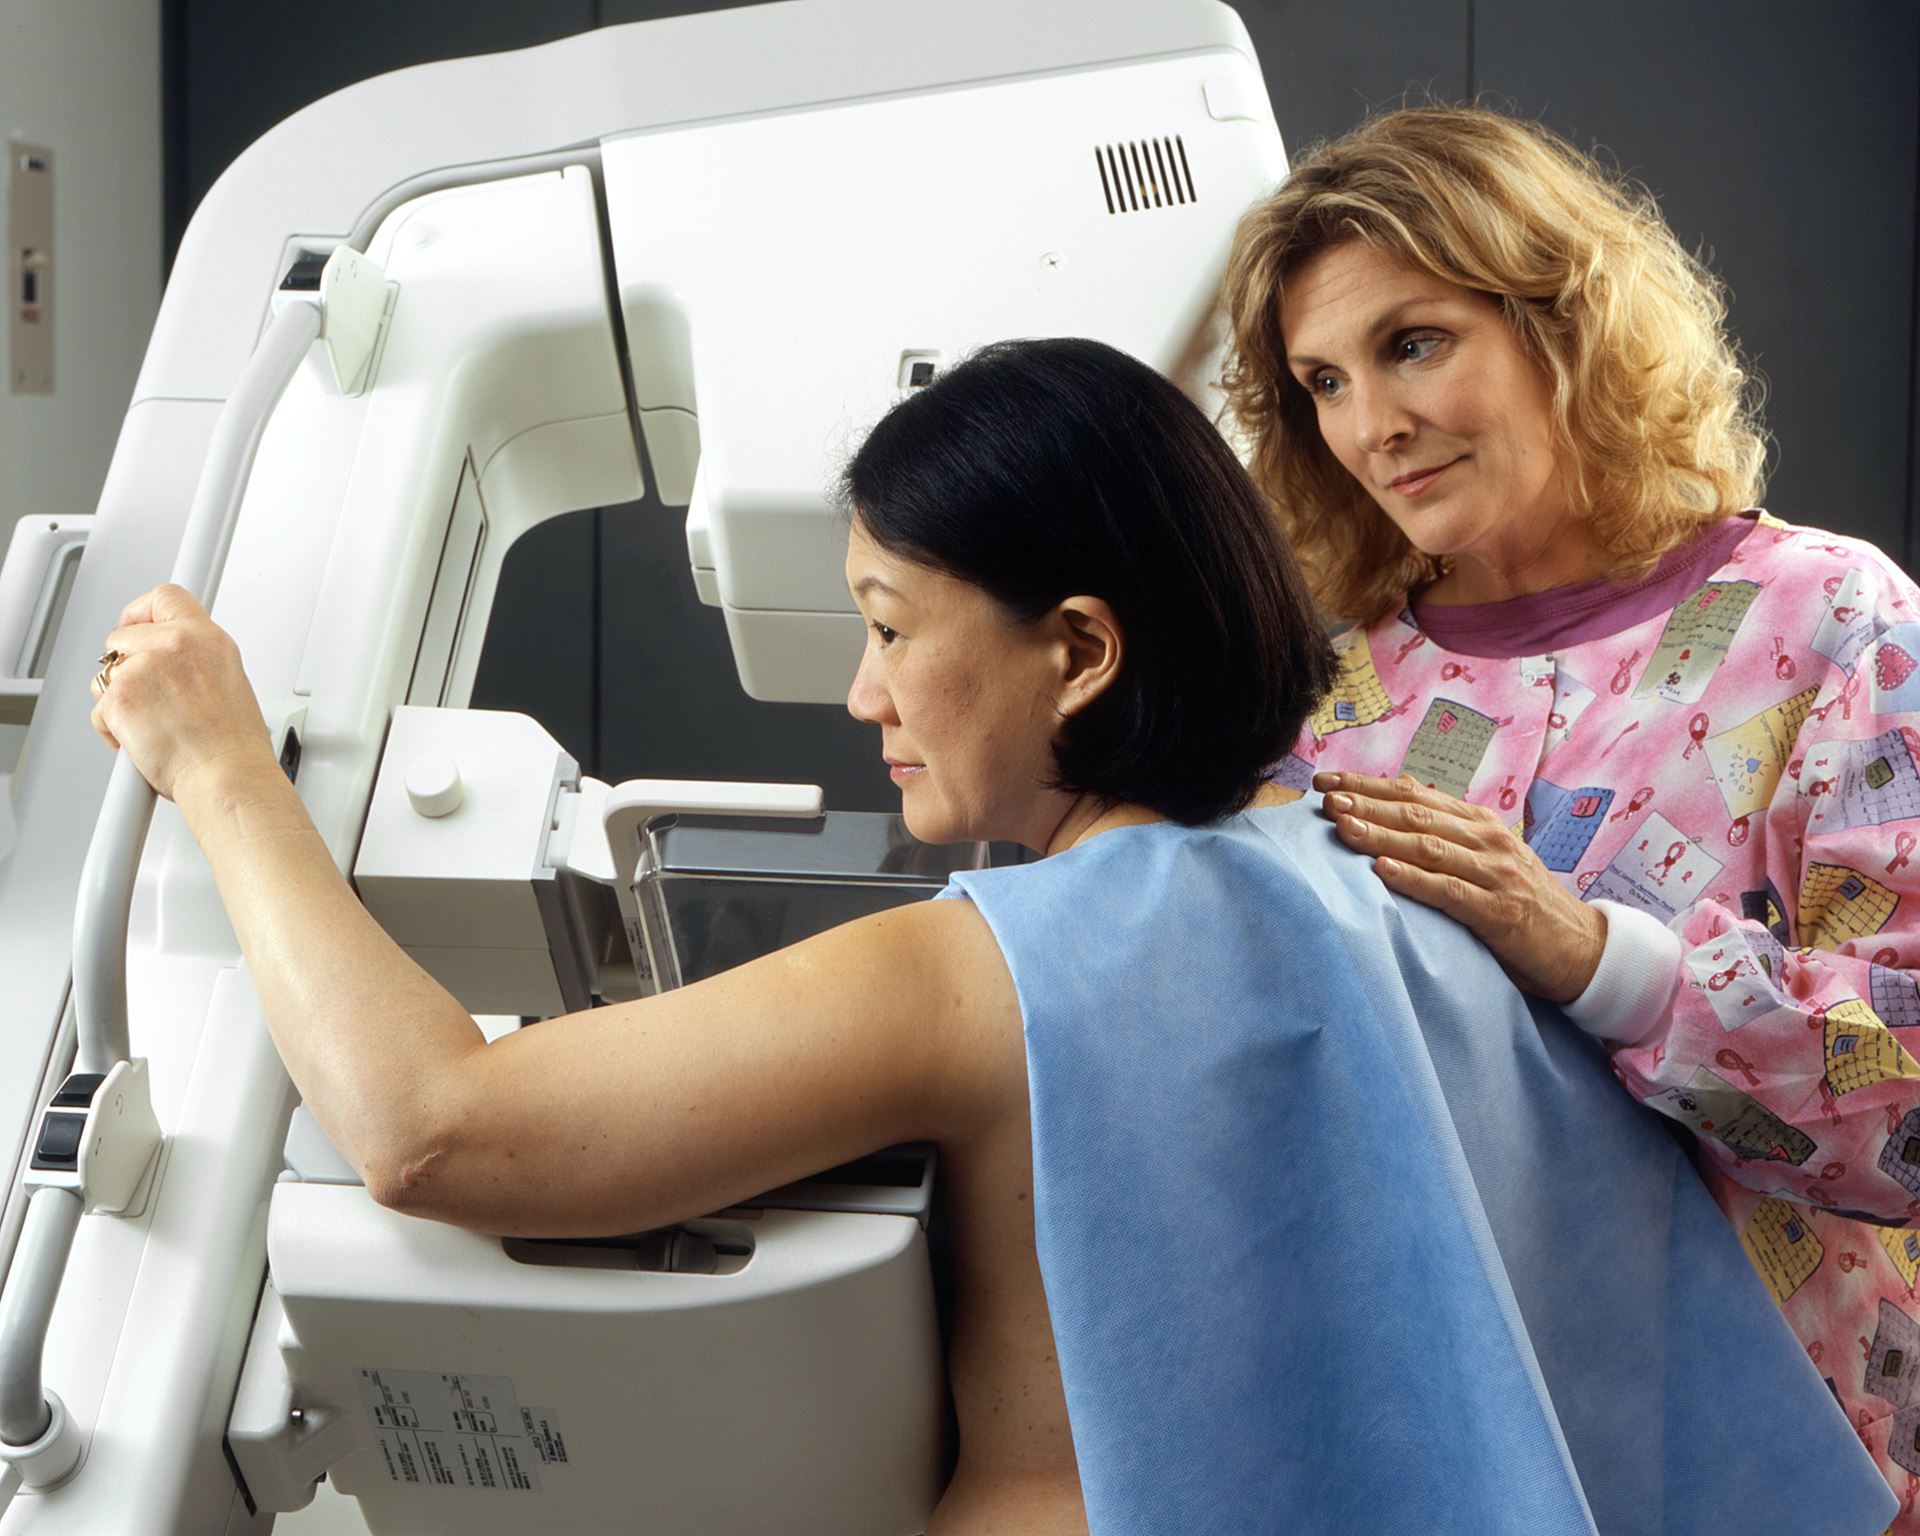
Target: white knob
{"points": [[433, 785]]}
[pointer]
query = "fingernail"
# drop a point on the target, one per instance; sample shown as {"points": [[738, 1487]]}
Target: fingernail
{"points": [[1341, 804], [1326, 781], [1384, 867]]}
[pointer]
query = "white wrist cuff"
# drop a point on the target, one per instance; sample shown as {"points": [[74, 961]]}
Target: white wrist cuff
{"points": [[1630, 993]]}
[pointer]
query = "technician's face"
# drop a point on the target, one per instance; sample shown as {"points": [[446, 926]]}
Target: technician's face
{"points": [[962, 699], [1426, 397]]}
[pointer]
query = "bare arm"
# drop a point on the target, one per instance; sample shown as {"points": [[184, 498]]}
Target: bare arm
{"points": [[904, 1025]]}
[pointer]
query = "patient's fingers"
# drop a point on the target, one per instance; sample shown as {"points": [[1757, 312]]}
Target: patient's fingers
{"points": [[161, 604], [98, 722], [172, 691]]}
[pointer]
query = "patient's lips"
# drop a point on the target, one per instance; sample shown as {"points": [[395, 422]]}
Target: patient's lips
{"points": [[903, 772]]}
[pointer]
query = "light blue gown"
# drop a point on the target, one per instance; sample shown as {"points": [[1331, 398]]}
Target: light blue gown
{"points": [[1339, 1236]]}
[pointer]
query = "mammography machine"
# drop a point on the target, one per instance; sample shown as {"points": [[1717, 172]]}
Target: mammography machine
{"points": [[409, 324]]}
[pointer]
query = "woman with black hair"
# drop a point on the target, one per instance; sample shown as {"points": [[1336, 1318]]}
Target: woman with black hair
{"points": [[1249, 1172]]}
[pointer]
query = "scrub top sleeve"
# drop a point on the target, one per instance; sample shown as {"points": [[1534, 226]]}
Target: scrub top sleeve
{"points": [[1789, 1037]]}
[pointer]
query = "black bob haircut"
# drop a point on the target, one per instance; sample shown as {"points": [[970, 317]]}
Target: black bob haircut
{"points": [[1038, 470]]}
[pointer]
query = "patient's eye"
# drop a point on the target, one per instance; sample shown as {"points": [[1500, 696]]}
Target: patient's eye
{"points": [[884, 633]]}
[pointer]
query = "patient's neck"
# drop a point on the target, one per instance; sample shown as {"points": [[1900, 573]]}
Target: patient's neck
{"points": [[1087, 817]]}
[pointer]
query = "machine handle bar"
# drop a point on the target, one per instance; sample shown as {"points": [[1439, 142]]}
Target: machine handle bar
{"points": [[106, 901], [113, 857], [103, 915]]}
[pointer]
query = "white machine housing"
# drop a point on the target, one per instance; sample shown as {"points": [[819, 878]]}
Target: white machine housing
{"points": [[960, 248], [726, 243]]}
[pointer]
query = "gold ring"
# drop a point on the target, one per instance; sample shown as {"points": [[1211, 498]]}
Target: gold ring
{"points": [[104, 677]]}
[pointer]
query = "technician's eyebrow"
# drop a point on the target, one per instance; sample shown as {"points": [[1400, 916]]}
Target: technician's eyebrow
{"points": [[1392, 320]]}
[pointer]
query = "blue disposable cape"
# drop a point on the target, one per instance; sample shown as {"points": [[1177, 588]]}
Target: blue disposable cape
{"points": [[1339, 1236]]}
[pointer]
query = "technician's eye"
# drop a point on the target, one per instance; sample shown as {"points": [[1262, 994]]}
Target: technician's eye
{"points": [[1326, 387], [1415, 349]]}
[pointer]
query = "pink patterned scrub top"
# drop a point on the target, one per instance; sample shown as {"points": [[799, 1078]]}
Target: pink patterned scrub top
{"points": [[1730, 746]]}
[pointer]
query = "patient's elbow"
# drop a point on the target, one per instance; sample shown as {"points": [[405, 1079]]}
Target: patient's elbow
{"points": [[412, 1150], [411, 1179]]}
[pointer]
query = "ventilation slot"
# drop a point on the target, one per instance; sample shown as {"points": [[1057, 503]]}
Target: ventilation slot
{"points": [[1146, 174]]}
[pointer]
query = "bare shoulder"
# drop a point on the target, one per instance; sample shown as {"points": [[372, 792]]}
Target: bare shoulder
{"points": [[933, 963], [912, 1007], [945, 938], [965, 1001]]}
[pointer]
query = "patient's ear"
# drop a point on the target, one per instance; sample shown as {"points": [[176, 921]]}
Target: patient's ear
{"points": [[1091, 649]]}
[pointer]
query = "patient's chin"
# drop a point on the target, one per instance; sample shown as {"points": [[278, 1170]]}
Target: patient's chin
{"points": [[929, 829], [931, 824]]}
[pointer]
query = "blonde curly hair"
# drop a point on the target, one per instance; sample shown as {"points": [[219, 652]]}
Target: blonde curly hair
{"points": [[1653, 414]]}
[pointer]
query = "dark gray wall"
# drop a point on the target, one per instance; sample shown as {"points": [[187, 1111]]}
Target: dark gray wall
{"points": [[1782, 137], [234, 68]]}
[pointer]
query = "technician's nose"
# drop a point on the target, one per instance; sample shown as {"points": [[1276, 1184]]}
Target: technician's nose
{"points": [[1377, 418]]}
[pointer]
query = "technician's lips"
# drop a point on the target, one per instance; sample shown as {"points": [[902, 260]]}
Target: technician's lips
{"points": [[1416, 481]]}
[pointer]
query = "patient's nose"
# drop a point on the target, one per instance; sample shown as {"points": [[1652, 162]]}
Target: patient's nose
{"points": [[867, 699]]}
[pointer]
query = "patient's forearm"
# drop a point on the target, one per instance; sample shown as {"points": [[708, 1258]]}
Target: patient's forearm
{"points": [[367, 1036]]}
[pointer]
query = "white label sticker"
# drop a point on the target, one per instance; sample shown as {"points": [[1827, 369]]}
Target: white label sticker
{"points": [[543, 1431], [459, 1431]]}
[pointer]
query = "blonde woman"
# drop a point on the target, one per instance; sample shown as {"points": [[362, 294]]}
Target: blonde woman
{"points": [[1657, 749]]}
